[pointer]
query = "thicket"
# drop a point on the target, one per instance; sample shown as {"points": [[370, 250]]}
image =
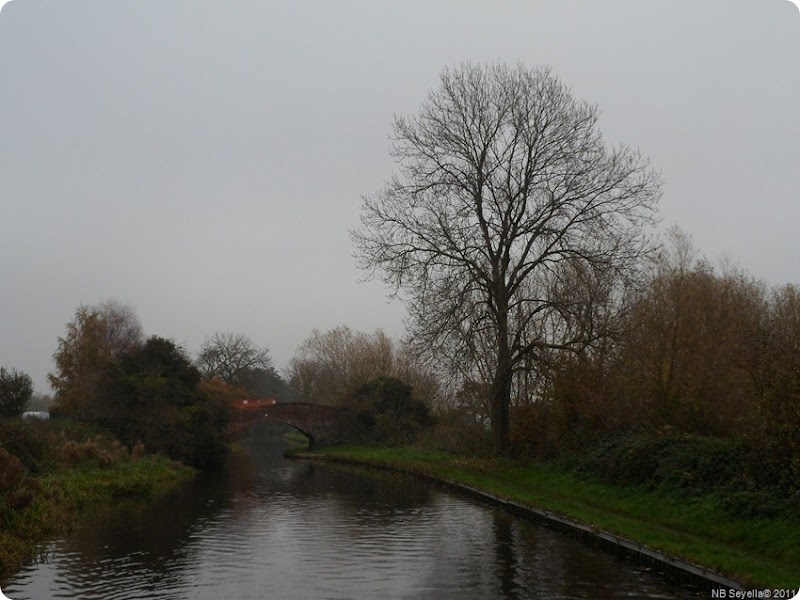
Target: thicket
{"points": [[154, 395], [389, 412], [699, 393], [330, 367], [30, 449], [42, 446], [737, 474]]}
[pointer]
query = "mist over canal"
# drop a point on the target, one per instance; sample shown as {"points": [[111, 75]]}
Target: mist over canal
{"points": [[267, 527]]}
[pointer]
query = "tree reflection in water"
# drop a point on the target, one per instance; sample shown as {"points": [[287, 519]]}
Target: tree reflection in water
{"points": [[266, 526]]}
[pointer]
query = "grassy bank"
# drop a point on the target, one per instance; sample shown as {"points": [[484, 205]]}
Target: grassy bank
{"points": [[65, 495], [759, 552], [60, 481]]}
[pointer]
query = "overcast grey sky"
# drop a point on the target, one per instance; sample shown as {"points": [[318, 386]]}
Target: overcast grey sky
{"points": [[202, 161]]}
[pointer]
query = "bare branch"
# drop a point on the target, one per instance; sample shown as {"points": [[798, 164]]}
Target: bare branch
{"points": [[510, 225]]}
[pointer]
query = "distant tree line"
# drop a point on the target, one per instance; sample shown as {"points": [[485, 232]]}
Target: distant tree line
{"points": [[238, 361], [378, 378], [142, 390], [149, 390], [329, 366], [694, 350]]}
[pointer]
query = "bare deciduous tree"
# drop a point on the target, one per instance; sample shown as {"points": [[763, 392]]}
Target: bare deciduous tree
{"points": [[506, 196], [123, 330], [328, 367], [234, 358]]}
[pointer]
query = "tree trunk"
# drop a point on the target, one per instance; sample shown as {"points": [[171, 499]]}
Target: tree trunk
{"points": [[501, 390], [501, 397]]}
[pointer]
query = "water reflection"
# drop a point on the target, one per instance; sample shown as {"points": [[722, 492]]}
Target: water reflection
{"points": [[268, 527]]}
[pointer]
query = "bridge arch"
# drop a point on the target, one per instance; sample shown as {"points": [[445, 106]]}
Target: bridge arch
{"points": [[322, 425]]}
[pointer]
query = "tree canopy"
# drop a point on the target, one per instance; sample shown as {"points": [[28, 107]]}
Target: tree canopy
{"points": [[96, 336], [510, 227], [237, 360], [153, 395]]}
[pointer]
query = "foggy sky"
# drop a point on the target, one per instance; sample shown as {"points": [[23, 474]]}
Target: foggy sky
{"points": [[203, 161]]}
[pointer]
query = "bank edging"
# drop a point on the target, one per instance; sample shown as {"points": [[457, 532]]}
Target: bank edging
{"points": [[672, 568]]}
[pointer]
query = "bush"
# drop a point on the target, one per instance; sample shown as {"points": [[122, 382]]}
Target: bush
{"points": [[739, 475], [16, 490], [388, 410], [73, 453], [138, 451], [155, 396], [543, 429], [16, 388], [203, 443], [458, 432], [11, 471], [30, 441]]}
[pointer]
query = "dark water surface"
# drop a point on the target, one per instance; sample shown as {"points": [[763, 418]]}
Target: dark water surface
{"points": [[267, 527]]}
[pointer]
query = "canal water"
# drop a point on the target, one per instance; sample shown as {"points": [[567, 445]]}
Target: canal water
{"points": [[267, 527]]}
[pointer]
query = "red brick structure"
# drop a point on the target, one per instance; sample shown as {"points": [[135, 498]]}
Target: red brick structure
{"points": [[254, 404], [323, 425]]}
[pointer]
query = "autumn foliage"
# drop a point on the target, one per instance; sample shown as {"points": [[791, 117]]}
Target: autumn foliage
{"points": [[705, 372]]}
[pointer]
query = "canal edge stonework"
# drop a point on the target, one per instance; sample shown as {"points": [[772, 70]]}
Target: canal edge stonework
{"points": [[671, 568]]}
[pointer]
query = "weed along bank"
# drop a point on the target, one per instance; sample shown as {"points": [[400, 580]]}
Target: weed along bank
{"points": [[55, 473]]}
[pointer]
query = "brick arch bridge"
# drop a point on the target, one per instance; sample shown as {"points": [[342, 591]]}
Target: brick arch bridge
{"points": [[323, 425]]}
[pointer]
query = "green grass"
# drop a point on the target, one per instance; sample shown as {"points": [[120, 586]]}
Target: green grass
{"points": [[758, 552], [147, 477], [66, 494], [296, 437]]}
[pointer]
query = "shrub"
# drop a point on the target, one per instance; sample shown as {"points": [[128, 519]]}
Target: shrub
{"points": [[16, 388], [138, 451], [459, 432], [155, 396], [16, 490], [73, 453], [738, 475], [29, 441], [23, 495], [387, 409], [118, 451]]}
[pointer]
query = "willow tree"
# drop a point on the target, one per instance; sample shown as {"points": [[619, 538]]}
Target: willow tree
{"points": [[508, 220]]}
